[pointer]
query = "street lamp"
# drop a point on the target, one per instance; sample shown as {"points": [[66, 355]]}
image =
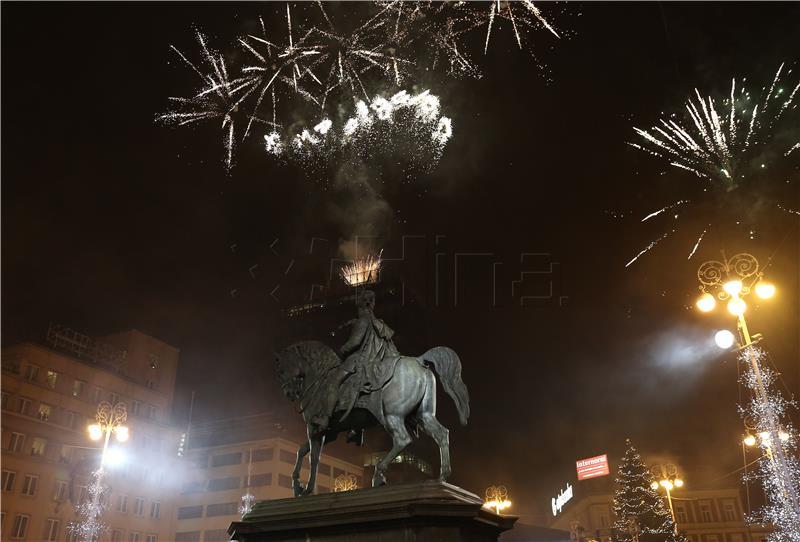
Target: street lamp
{"points": [[666, 476], [497, 498], [732, 280], [109, 421]]}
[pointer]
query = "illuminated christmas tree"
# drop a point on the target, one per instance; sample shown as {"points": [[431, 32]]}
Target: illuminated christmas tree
{"points": [[640, 509]]}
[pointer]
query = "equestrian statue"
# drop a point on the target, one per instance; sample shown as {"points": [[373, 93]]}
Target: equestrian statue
{"points": [[368, 382]]}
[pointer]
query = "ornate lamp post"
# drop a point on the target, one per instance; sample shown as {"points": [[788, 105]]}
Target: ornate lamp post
{"points": [[732, 280], [666, 476], [110, 419], [497, 498]]}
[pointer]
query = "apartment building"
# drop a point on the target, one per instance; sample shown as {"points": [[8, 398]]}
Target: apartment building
{"points": [[228, 464], [705, 515], [50, 394]]}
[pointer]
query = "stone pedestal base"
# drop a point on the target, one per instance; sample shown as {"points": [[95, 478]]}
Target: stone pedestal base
{"points": [[429, 511]]}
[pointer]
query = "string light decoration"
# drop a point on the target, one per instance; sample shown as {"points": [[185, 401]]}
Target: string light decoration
{"points": [[778, 468], [90, 526], [345, 482], [496, 498], [635, 500]]}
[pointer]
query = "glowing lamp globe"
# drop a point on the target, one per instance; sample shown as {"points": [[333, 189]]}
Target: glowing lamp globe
{"points": [[115, 456], [749, 440], [121, 433], [764, 436], [733, 287], [95, 432], [706, 303], [724, 339], [678, 482], [784, 436], [737, 306], [765, 290], [654, 486], [666, 484]]}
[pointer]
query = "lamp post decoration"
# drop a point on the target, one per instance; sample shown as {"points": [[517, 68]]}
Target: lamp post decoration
{"points": [[496, 498], [731, 280], [110, 419], [666, 477], [345, 482]]}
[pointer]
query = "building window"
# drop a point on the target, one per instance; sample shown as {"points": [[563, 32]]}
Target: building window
{"points": [[603, 520], [116, 535], [83, 493], [197, 486], [138, 506], [217, 535], [705, 514], [189, 512], [71, 536], [8, 480], [51, 530], [226, 459], [24, 406], [39, 446], [199, 462], [135, 406], [5, 401], [60, 491], [263, 454], [32, 372], [151, 412], [221, 484], [77, 388], [155, 510], [680, 514], [52, 379], [20, 527], [122, 504], [729, 511], [66, 454], [284, 481], [187, 536], [73, 419], [113, 398], [153, 359], [338, 472], [287, 457], [96, 395], [133, 537], [324, 468], [44, 412], [258, 480], [151, 384], [152, 538], [29, 485], [16, 442], [221, 509]]}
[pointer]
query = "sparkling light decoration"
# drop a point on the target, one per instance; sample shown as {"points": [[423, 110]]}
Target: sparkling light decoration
{"points": [[345, 482], [248, 499], [383, 125], [778, 468], [496, 498], [363, 271], [90, 527], [728, 144]]}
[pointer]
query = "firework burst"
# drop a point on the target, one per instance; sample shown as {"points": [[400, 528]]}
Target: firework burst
{"points": [[729, 144], [363, 271]]}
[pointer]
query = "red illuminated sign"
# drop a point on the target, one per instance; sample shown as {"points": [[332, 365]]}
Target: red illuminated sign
{"points": [[592, 467]]}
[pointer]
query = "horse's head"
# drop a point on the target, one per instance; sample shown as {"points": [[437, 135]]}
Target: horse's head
{"points": [[290, 373]]}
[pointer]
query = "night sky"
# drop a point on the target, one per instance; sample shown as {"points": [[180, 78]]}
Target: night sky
{"points": [[112, 222]]}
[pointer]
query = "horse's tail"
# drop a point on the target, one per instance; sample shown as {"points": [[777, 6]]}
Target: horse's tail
{"points": [[448, 366]]}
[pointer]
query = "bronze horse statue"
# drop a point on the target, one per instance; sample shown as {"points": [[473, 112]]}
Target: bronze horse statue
{"points": [[406, 398]]}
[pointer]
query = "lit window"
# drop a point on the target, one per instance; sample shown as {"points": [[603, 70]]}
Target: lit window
{"points": [[20, 527], [8, 480], [52, 379], [39, 446], [29, 485], [60, 491], [16, 442], [705, 513], [44, 412], [51, 530], [77, 388], [32, 372], [680, 514]]}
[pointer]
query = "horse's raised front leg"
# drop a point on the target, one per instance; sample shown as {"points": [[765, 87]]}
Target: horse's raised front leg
{"points": [[396, 427], [317, 442], [297, 485]]}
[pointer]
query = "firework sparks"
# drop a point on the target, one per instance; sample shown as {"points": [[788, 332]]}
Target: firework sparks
{"points": [[648, 248], [363, 271], [381, 124]]}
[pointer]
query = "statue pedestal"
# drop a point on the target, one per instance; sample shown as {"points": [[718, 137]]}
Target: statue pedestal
{"points": [[421, 512]]}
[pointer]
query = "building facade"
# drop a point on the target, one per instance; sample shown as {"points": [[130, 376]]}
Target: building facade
{"points": [[217, 476], [705, 515], [50, 395]]}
